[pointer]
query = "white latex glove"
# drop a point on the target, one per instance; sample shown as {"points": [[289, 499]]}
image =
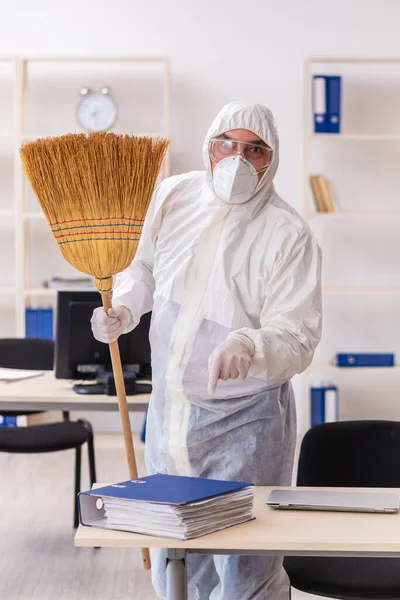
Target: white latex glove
{"points": [[230, 360], [108, 326]]}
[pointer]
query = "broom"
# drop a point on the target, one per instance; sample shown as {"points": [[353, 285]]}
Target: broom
{"points": [[94, 191]]}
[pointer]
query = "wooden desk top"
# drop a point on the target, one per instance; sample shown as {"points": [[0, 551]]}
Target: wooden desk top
{"points": [[48, 393], [281, 531]]}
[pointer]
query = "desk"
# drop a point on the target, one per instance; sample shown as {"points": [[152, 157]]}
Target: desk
{"points": [[274, 532], [48, 393]]}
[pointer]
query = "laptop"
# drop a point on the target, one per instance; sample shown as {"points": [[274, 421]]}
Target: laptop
{"points": [[359, 501]]}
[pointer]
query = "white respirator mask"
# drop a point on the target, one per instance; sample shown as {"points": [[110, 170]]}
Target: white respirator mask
{"points": [[235, 179]]}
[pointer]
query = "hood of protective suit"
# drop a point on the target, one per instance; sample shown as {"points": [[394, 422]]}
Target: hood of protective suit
{"points": [[259, 120]]}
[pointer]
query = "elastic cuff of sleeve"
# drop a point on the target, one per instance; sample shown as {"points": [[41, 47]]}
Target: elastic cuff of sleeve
{"points": [[129, 326], [245, 339]]}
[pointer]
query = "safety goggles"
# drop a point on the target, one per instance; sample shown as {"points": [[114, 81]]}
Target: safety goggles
{"points": [[259, 155]]}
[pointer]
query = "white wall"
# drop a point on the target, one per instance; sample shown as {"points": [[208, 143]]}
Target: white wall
{"points": [[219, 51]]}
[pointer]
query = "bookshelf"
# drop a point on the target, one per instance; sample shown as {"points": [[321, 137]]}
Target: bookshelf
{"points": [[40, 98], [364, 138]]}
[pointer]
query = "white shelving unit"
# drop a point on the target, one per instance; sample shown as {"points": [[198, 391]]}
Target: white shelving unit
{"points": [[22, 214], [325, 367]]}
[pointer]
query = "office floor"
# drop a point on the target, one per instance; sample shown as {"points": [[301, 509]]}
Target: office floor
{"points": [[37, 558]]}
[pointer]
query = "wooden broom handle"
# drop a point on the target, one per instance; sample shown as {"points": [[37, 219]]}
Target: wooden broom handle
{"points": [[124, 414]]}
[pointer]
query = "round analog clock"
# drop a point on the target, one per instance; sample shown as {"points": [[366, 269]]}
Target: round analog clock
{"points": [[96, 111]]}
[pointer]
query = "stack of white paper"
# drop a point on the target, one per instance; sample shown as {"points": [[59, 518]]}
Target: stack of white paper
{"points": [[16, 374], [180, 522]]}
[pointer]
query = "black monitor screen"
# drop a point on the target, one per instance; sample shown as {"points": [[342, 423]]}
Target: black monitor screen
{"points": [[77, 353]]}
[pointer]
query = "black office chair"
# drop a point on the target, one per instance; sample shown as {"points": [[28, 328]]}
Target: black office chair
{"points": [[38, 354], [31, 354], [349, 454]]}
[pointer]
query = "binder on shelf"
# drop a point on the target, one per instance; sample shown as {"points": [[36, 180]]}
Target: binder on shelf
{"points": [[39, 323], [326, 194], [70, 283], [8, 421], [333, 102], [324, 404], [365, 359], [45, 323], [19, 421], [322, 195], [167, 505], [331, 404], [316, 190], [31, 323], [319, 103]]}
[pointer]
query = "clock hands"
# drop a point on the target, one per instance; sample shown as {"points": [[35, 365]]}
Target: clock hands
{"points": [[94, 115]]}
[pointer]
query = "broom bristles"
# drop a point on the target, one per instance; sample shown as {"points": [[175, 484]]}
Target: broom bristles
{"points": [[95, 191]]}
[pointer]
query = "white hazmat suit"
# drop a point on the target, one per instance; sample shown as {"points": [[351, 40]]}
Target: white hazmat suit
{"points": [[207, 268]]}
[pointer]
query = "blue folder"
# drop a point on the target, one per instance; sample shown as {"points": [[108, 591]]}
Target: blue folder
{"points": [[323, 411], [167, 489], [319, 103], [8, 422], [31, 323], [45, 323], [333, 103], [365, 360], [317, 405], [39, 323]]}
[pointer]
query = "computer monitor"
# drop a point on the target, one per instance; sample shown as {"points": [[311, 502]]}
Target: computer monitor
{"points": [[78, 355]]}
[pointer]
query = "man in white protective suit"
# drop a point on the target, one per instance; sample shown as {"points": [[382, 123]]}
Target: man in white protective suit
{"points": [[231, 274]]}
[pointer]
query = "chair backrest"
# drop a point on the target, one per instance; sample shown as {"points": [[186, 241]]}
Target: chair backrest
{"points": [[26, 353], [351, 453]]}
